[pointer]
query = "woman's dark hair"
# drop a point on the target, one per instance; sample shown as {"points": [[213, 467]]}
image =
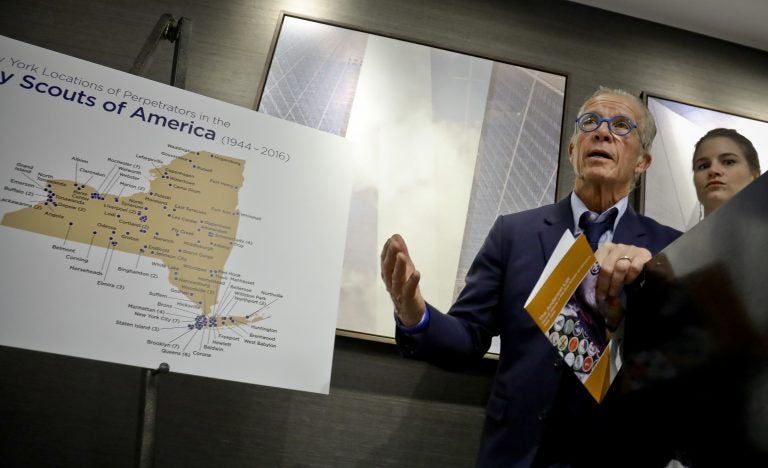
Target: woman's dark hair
{"points": [[750, 153]]}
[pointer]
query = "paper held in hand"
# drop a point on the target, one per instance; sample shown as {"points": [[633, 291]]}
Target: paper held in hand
{"points": [[563, 306]]}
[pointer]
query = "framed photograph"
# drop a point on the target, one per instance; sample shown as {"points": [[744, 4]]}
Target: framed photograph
{"points": [[445, 143], [667, 192]]}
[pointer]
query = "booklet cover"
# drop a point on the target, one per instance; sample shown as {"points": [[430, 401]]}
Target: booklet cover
{"points": [[563, 306]]}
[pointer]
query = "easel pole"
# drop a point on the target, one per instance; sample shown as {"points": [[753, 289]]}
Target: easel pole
{"points": [[177, 32], [174, 31], [181, 34], [147, 415]]}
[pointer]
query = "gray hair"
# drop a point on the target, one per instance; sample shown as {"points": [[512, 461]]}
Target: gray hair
{"points": [[646, 126]]}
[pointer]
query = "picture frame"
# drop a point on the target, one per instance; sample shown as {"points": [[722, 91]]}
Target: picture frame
{"points": [[446, 141], [667, 193]]}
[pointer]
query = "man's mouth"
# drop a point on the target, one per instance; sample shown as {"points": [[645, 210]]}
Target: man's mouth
{"points": [[599, 154], [714, 183]]}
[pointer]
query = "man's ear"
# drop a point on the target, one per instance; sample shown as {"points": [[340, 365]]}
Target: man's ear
{"points": [[570, 152], [643, 162]]}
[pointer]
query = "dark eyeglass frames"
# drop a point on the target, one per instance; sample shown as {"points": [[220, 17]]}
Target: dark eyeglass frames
{"points": [[618, 125]]}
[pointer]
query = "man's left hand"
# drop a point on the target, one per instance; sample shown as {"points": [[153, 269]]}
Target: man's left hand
{"points": [[620, 264]]}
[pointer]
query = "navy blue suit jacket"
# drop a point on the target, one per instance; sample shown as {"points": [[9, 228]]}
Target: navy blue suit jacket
{"points": [[528, 387]]}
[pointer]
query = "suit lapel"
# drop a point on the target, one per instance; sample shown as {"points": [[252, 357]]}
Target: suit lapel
{"points": [[629, 230], [557, 219]]}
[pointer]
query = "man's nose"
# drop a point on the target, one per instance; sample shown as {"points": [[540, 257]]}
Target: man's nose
{"points": [[603, 131]]}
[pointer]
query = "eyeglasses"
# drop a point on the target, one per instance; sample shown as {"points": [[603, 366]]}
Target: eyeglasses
{"points": [[618, 125]]}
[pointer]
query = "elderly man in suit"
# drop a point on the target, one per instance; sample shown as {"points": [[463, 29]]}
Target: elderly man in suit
{"points": [[538, 413]]}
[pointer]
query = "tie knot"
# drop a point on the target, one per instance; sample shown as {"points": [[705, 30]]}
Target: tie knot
{"points": [[595, 229]]}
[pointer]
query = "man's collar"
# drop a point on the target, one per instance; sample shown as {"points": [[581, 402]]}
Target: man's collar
{"points": [[578, 207]]}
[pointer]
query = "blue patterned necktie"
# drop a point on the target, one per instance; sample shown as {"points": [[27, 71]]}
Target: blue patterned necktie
{"points": [[595, 229]]}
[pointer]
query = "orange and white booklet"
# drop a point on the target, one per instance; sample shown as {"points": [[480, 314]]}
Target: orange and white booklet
{"points": [[563, 305]]}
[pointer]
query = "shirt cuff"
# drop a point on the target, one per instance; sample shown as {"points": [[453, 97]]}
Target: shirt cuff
{"points": [[416, 328]]}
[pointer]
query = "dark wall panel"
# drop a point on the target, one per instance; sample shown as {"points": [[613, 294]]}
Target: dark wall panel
{"points": [[62, 411], [382, 410]]}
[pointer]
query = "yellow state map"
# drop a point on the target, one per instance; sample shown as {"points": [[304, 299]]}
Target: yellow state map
{"points": [[187, 219]]}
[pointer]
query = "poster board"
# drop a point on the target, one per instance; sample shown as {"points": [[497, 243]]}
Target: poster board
{"points": [[142, 224], [446, 142]]}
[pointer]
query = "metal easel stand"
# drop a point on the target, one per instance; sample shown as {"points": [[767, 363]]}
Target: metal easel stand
{"points": [[147, 415], [177, 32]]}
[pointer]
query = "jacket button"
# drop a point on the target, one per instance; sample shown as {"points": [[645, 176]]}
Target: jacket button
{"points": [[543, 415], [558, 363]]}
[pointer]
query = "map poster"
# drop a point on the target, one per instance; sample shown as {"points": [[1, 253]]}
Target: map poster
{"points": [[143, 224]]}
